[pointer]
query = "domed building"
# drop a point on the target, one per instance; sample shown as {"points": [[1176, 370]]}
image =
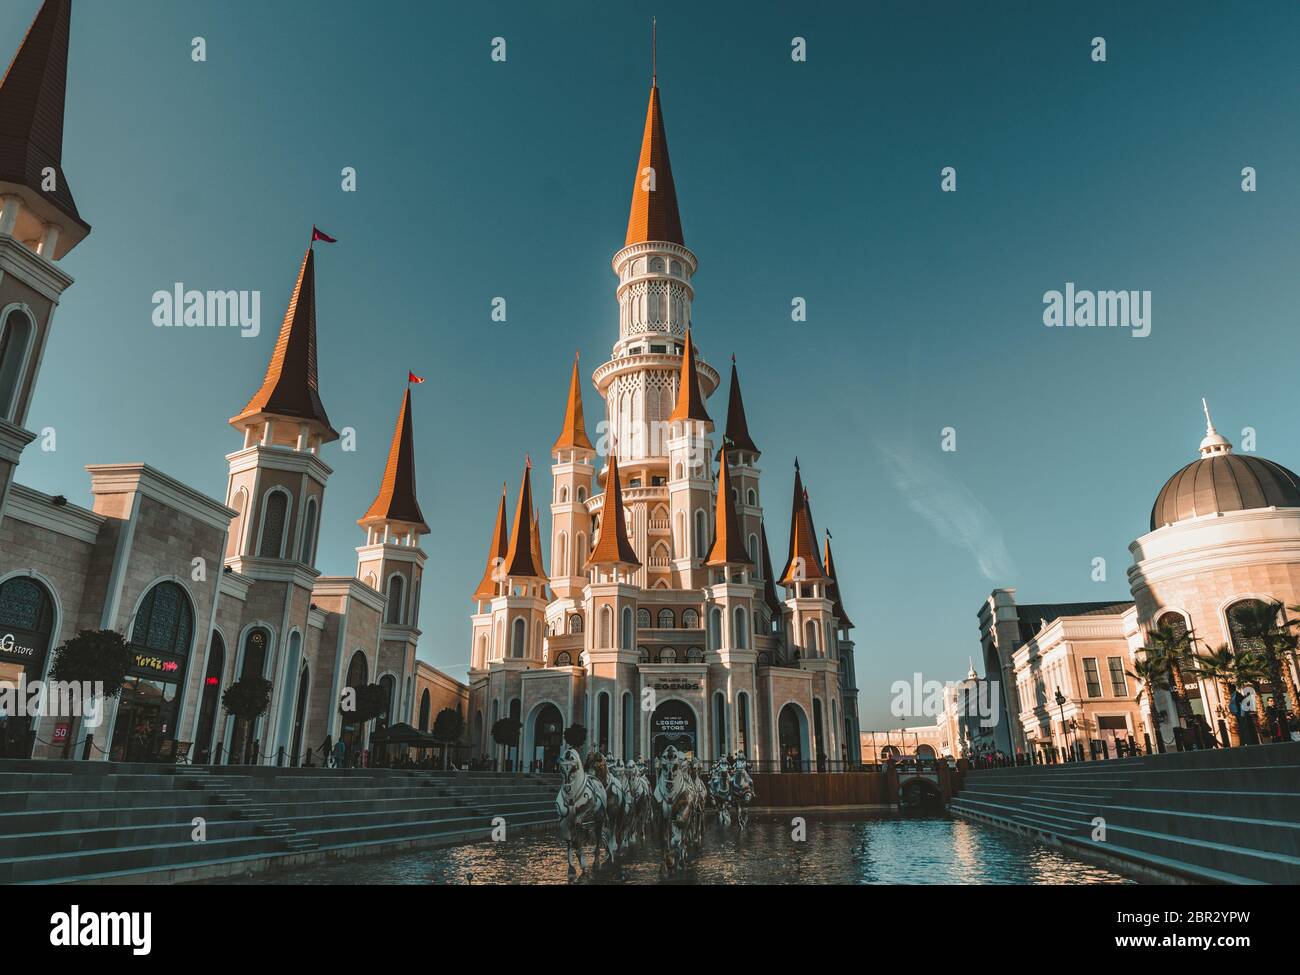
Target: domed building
{"points": [[1224, 538], [1225, 533]]}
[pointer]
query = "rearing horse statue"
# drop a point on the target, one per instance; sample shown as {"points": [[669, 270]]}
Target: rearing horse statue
{"points": [[580, 806]]}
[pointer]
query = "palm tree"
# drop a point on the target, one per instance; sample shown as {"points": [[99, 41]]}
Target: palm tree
{"points": [[1173, 645], [1266, 627], [1152, 672], [1233, 670]]}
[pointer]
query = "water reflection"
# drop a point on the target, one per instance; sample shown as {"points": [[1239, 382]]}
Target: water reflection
{"points": [[879, 850]]}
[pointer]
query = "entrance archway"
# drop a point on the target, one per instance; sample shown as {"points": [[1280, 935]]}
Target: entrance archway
{"points": [[26, 631], [546, 735], [673, 723], [792, 736]]}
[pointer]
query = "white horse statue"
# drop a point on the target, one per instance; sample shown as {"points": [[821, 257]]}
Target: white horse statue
{"points": [[580, 806], [720, 791], [675, 799], [640, 800], [742, 789], [616, 802]]}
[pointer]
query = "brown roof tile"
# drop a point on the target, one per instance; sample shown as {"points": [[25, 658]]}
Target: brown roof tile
{"points": [[690, 401], [728, 548], [803, 540], [574, 433], [290, 388], [654, 214], [519, 559], [612, 545], [396, 500], [498, 547]]}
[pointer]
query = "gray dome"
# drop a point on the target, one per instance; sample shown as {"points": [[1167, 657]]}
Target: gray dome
{"points": [[1224, 482]]}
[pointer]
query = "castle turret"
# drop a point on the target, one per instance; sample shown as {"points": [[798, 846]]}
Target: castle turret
{"points": [[572, 475], [690, 479]]}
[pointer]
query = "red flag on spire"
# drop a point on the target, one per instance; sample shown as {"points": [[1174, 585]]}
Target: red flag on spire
{"points": [[321, 235], [413, 378]]}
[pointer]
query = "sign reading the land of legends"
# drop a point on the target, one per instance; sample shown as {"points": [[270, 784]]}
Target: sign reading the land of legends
{"points": [[673, 723]]}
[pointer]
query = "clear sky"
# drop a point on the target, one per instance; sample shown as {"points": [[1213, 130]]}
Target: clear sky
{"points": [[819, 179]]}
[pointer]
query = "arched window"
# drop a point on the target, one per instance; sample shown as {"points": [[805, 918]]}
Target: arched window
{"points": [[695, 655], [1245, 619], [643, 618], [389, 684], [715, 628], [575, 623], [810, 631], [518, 637], [394, 612], [582, 494], [16, 335], [606, 626], [700, 535], [255, 646], [690, 619], [740, 631], [668, 656], [275, 512], [309, 532], [752, 549], [25, 604], [560, 564], [211, 698], [564, 494], [237, 524], [751, 497], [426, 705], [562, 659], [165, 621], [666, 620], [643, 655], [628, 632]]}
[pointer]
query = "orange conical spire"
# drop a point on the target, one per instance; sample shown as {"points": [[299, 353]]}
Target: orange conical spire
{"points": [[613, 547], [804, 561], [31, 110], [537, 547], [737, 426], [690, 402], [833, 590], [654, 213], [574, 434], [290, 388], [769, 585], [498, 546], [519, 559], [728, 549], [396, 500]]}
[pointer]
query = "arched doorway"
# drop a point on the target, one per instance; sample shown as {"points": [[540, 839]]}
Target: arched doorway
{"points": [[547, 737], [256, 644], [26, 630], [792, 737], [211, 699], [353, 733], [299, 716], [673, 723], [149, 702]]}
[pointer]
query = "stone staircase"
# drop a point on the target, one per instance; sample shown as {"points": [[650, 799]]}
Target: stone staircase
{"points": [[1220, 816], [101, 822]]}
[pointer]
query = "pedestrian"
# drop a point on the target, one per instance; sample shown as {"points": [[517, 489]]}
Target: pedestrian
{"points": [[340, 753]]}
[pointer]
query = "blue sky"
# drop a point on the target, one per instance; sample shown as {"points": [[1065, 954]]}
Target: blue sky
{"points": [[819, 179]]}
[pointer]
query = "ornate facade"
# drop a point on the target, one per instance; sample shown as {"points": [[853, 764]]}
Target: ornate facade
{"points": [[658, 619], [207, 591]]}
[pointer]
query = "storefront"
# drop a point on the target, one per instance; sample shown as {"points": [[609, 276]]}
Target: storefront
{"points": [[673, 723], [149, 704], [26, 631]]}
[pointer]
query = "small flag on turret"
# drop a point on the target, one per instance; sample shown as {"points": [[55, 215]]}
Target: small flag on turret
{"points": [[321, 235], [413, 378]]}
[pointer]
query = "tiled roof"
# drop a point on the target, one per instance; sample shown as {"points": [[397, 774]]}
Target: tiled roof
{"points": [[396, 500], [690, 401], [654, 213], [574, 433], [1031, 616], [290, 388], [833, 590], [728, 547], [612, 545], [31, 108], [519, 558], [737, 426], [803, 540], [498, 546]]}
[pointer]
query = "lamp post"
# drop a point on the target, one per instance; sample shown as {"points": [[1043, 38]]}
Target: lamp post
{"points": [[1060, 704]]}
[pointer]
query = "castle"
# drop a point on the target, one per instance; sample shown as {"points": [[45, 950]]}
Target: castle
{"points": [[659, 620], [206, 592]]}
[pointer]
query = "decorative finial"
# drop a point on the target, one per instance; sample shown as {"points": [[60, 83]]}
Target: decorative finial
{"points": [[654, 53], [796, 463], [528, 461], [1209, 424], [1214, 442]]}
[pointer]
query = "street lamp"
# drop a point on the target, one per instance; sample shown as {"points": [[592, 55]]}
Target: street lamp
{"points": [[1060, 703]]}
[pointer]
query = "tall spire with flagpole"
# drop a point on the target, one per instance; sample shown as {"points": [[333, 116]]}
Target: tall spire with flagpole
{"points": [[654, 214], [396, 501]]}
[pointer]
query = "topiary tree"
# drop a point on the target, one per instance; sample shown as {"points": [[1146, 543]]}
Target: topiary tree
{"points": [[247, 699], [448, 727], [506, 732], [575, 736], [98, 658]]}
